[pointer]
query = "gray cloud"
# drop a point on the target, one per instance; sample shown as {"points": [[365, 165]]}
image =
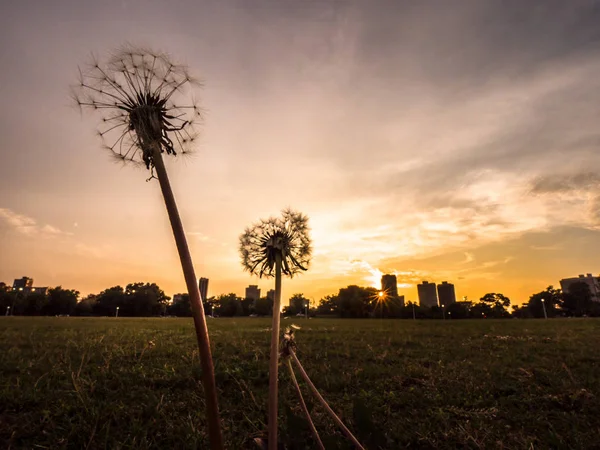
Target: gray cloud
{"points": [[559, 183]]}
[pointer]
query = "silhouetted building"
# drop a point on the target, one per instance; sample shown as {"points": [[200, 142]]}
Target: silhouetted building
{"points": [[253, 292], [389, 285], [591, 281], [401, 300], [271, 295], [446, 294], [22, 283], [427, 294], [203, 285], [25, 285]]}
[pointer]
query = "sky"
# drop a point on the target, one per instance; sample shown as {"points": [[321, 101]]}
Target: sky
{"points": [[436, 140]]}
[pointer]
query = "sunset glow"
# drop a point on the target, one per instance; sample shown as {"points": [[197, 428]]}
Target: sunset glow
{"points": [[471, 160]]}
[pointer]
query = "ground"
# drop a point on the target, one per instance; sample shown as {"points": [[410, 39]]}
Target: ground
{"points": [[133, 383]]}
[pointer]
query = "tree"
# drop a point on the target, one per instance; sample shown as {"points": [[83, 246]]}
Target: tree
{"points": [[6, 302], [181, 307], [521, 312], [61, 301], [272, 247], [458, 310], [480, 310], [328, 305], [86, 306], [229, 305], [298, 304], [578, 300], [144, 299], [145, 114], [210, 305], [356, 301], [34, 304], [263, 306], [549, 298], [108, 300], [498, 305], [247, 306]]}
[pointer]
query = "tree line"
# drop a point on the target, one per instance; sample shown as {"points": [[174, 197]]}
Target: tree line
{"points": [[148, 300]]}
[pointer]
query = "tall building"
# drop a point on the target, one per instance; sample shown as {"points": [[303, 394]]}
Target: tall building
{"points": [[446, 294], [271, 295], [591, 281], [427, 294], [401, 300], [389, 285], [253, 292], [21, 283], [203, 285], [25, 285]]}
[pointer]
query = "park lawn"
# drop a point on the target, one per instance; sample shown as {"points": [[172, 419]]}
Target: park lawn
{"points": [[134, 383]]}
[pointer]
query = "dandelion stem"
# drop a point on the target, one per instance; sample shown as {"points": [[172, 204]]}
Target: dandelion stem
{"points": [[303, 406], [208, 371], [325, 405], [274, 358]]}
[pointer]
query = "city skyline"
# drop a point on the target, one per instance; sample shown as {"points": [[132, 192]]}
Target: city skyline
{"points": [[470, 156]]}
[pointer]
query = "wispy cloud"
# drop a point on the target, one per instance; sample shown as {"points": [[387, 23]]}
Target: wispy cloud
{"points": [[29, 226], [199, 236]]}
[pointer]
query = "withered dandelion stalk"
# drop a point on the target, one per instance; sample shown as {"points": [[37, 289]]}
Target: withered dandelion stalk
{"points": [[143, 99]]}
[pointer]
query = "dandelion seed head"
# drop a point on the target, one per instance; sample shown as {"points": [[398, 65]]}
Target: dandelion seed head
{"points": [[139, 93], [286, 236]]}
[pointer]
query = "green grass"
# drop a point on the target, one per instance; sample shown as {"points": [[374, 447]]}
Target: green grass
{"points": [[100, 383]]}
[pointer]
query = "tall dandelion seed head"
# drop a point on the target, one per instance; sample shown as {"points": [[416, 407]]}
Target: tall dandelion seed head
{"points": [[145, 102]]}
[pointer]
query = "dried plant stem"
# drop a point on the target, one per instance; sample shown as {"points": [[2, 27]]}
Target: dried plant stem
{"points": [[274, 358], [208, 371], [325, 405], [303, 406]]}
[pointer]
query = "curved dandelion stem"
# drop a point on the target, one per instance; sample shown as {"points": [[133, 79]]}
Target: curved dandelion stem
{"points": [[325, 405], [311, 424]]}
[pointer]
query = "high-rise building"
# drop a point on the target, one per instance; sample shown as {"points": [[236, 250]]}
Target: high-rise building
{"points": [[203, 285], [389, 285], [427, 294], [25, 285], [21, 283], [592, 281], [401, 300], [446, 294], [271, 295], [253, 292]]}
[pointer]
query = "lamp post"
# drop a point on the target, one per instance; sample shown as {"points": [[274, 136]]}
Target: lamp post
{"points": [[7, 311], [212, 311], [443, 312], [544, 306], [414, 316], [117, 312], [380, 302], [306, 303]]}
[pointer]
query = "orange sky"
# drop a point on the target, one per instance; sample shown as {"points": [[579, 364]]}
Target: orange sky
{"points": [[470, 156]]}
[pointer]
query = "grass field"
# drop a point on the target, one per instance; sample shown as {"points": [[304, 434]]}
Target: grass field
{"points": [[133, 383]]}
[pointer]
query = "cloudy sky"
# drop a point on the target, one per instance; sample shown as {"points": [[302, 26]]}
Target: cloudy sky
{"points": [[436, 140]]}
